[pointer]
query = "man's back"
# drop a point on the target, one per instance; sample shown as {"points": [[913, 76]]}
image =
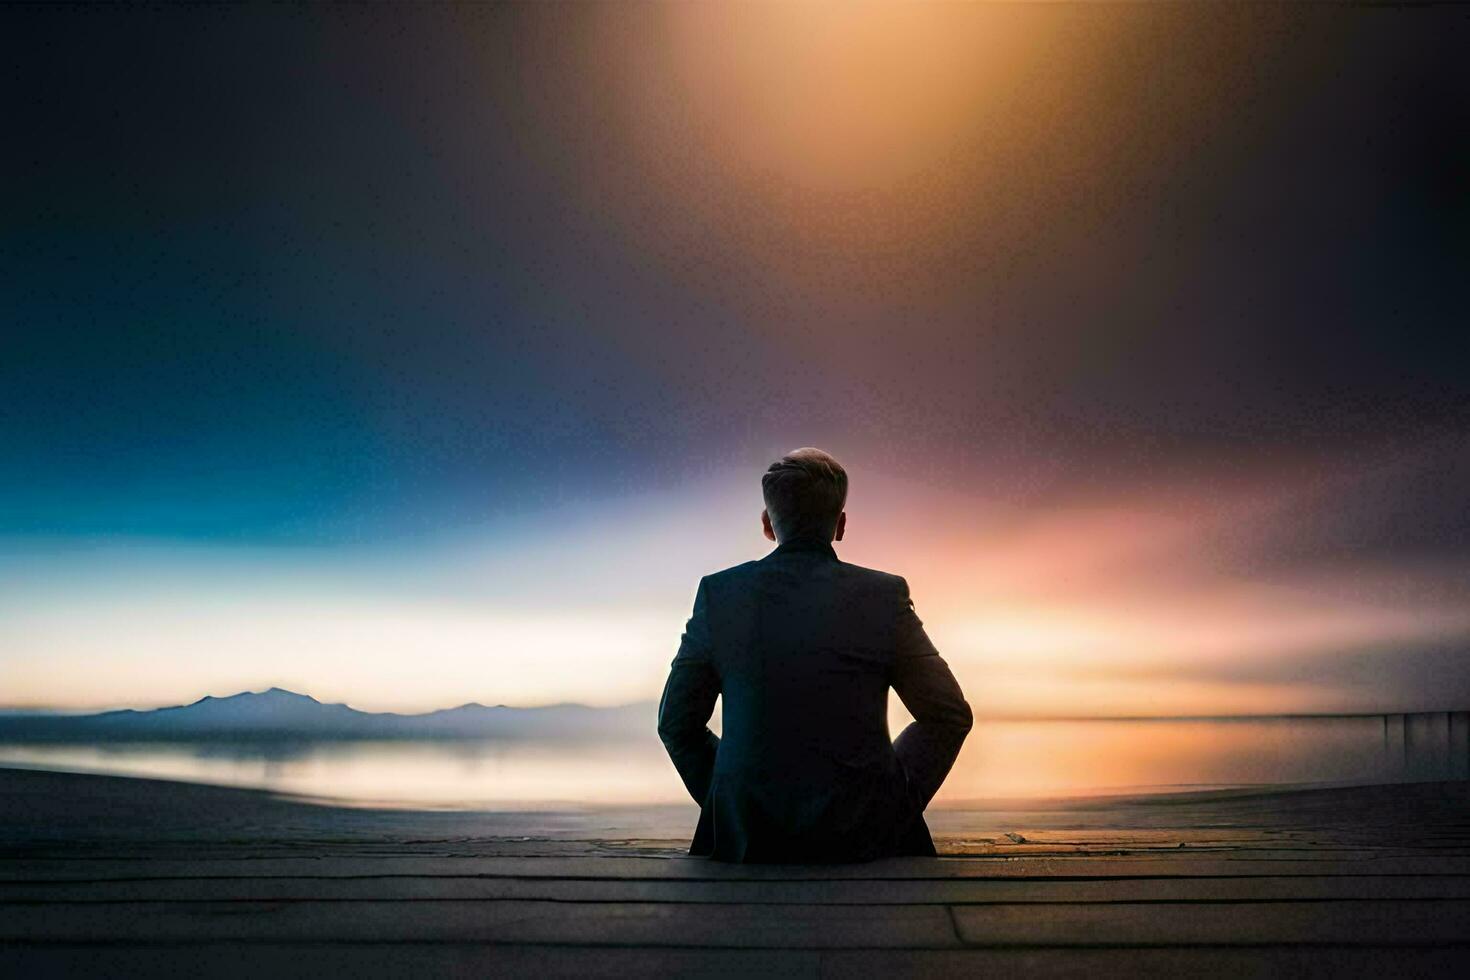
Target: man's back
{"points": [[803, 648]]}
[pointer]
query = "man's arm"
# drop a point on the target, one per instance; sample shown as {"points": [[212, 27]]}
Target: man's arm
{"points": [[688, 701], [926, 748]]}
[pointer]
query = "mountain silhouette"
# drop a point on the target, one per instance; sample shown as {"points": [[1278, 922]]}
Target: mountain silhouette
{"points": [[281, 714], [274, 708]]}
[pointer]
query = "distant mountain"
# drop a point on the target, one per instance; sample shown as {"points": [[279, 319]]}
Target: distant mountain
{"points": [[280, 714], [268, 710]]}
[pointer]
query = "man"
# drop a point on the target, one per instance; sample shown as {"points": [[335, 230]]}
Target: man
{"points": [[804, 648]]}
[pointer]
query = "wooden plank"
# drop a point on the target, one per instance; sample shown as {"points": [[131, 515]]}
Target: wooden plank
{"points": [[1217, 923], [749, 926], [952, 891], [313, 961], [1424, 843], [1094, 964], [636, 868], [605, 923]]}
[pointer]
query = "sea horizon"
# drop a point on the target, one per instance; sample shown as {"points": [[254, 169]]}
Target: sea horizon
{"points": [[557, 757], [980, 714]]}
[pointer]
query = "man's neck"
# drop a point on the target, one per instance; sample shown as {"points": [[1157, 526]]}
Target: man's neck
{"points": [[802, 543]]}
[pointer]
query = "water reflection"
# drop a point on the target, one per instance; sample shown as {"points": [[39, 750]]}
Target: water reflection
{"points": [[1065, 758], [439, 773], [1003, 760]]}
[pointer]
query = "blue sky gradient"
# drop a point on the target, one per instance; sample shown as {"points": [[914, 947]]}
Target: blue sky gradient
{"points": [[330, 296]]}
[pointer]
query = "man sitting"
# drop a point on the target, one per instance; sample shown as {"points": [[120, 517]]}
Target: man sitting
{"points": [[804, 647]]}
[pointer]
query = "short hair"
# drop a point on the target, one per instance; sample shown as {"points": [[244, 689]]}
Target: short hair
{"points": [[805, 491]]}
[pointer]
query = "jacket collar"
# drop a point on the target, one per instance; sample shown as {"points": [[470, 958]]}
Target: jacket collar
{"points": [[814, 546]]}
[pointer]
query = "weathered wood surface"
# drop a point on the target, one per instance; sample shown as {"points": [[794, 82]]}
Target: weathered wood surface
{"points": [[1322, 882]]}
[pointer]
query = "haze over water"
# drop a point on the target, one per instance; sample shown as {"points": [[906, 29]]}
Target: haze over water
{"points": [[1003, 761]]}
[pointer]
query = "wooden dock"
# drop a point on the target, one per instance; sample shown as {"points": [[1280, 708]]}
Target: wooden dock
{"points": [[1319, 882]]}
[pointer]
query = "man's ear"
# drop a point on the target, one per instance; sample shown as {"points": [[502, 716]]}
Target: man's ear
{"points": [[841, 526], [766, 528]]}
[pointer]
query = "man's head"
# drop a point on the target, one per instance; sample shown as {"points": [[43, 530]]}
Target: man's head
{"points": [[805, 491]]}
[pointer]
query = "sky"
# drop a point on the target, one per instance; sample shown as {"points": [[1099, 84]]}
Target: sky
{"points": [[416, 356]]}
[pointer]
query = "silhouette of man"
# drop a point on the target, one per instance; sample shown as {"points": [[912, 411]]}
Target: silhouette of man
{"points": [[804, 648]]}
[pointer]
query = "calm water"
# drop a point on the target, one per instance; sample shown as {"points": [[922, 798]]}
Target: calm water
{"points": [[1002, 760]]}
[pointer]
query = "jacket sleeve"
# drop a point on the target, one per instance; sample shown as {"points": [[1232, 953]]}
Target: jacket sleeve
{"points": [[688, 702], [927, 748]]}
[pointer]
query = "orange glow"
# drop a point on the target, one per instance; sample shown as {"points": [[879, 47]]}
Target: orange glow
{"points": [[1150, 603]]}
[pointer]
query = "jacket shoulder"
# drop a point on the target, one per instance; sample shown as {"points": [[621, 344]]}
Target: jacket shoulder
{"points": [[870, 578], [732, 574], [875, 578]]}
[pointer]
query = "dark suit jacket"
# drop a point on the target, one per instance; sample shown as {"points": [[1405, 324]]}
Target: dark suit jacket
{"points": [[804, 648]]}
